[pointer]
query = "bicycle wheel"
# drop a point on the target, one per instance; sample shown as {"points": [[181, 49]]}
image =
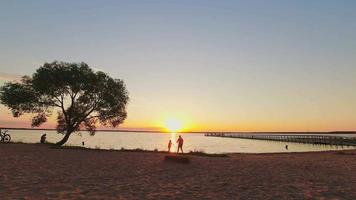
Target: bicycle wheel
{"points": [[7, 138]]}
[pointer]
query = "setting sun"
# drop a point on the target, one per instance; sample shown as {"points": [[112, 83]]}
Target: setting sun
{"points": [[173, 125]]}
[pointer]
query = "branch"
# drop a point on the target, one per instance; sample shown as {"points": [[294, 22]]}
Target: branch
{"points": [[66, 89], [63, 110], [56, 105], [91, 117], [57, 100], [86, 115], [72, 97]]}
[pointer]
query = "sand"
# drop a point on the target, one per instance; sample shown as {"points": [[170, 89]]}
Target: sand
{"points": [[29, 171]]}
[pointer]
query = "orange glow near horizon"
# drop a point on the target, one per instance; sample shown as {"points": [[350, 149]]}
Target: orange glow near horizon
{"points": [[174, 122], [180, 121]]}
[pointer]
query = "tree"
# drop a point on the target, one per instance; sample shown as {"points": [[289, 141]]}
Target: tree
{"points": [[82, 98]]}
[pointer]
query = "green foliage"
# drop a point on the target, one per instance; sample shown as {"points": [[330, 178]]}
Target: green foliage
{"points": [[81, 97]]}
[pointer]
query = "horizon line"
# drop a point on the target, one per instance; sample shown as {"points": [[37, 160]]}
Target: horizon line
{"points": [[156, 131]]}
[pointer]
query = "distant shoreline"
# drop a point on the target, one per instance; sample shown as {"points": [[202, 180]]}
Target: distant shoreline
{"points": [[239, 132]]}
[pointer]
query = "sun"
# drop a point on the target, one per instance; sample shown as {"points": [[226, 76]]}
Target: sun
{"points": [[173, 125]]}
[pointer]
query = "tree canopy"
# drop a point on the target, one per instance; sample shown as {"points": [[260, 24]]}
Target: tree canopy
{"points": [[81, 98]]}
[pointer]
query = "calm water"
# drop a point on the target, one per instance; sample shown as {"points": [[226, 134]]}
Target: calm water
{"points": [[151, 141]]}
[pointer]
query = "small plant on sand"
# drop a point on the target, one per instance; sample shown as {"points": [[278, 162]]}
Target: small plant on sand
{"points": [[195, 151], [80, 97], [202, 153], [177, 159]]}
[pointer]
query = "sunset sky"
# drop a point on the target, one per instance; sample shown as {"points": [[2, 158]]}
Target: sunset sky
{"points": [[210, 65]]}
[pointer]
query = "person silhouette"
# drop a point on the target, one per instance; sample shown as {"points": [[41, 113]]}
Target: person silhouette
{"points": [[169, 145], [180, 142], [43, 138]]}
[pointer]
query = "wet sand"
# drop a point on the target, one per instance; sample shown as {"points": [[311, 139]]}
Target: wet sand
{"points": [[29, 171]]}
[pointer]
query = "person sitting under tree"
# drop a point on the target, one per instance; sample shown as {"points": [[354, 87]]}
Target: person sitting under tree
{"points": [[43, 138]]}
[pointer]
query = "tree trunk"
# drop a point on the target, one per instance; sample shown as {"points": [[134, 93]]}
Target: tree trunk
{"points": [[65, 139]]}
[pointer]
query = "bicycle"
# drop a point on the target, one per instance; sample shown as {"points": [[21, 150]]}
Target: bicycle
{"points": [[4, 137]]}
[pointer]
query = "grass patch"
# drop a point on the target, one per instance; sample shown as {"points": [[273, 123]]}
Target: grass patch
{"points": [[177, 158], [69, 147], [344, 153], [12, 142], [202, 153]]}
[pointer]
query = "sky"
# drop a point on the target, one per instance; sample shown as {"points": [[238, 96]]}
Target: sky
{"points": [[211, 65]]}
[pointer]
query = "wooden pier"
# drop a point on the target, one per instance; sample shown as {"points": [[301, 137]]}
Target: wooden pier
{"points": [[298, 138]]}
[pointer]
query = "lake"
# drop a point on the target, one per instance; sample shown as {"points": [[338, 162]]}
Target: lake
{"points": [[159, 141]]}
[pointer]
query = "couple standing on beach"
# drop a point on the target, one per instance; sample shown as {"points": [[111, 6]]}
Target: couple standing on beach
{"points": [[180, 142]]}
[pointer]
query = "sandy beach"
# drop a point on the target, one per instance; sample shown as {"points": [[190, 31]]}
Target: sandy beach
{"points": [[30, 171]]}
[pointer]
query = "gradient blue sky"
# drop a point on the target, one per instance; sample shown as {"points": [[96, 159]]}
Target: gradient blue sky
{"points": [[215, 65]]}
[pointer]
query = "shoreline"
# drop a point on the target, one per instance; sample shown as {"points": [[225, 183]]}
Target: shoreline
{"points": [[196, 153]]}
